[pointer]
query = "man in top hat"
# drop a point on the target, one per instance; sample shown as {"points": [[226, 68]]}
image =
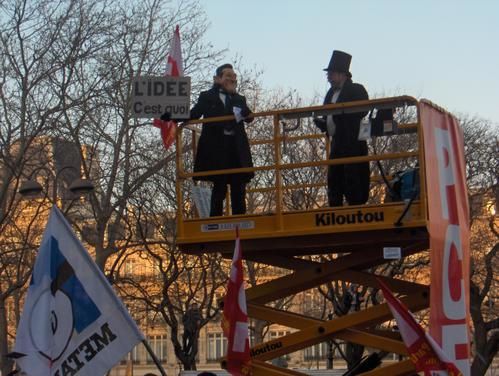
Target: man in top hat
{"points": [[347, 180]]}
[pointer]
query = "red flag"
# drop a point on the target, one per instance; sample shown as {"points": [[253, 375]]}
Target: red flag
{"points": [[423, 350], [235, 318], [167, 129], [175, 68]]}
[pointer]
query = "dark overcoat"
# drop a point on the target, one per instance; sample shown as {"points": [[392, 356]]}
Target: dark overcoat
{"points": [[345, 142], [349, 180], [211, 152]]}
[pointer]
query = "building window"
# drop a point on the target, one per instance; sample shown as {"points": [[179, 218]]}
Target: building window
{"points": [[156, 270], [343, 347], [312, 304], [139, 354], [158, 345], [274, 334], [129, 267], [217, 346], [316, 352]]}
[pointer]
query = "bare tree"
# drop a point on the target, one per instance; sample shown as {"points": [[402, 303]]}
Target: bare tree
{"points": [[183, 296], [123, 152], [482, 163], [128, 163], [30, 106], [178, 290], [66, 71]]}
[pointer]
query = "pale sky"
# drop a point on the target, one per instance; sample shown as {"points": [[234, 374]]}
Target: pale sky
{"points": [[444, 50]]}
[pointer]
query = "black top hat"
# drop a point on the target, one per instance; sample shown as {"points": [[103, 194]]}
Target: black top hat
{"points": [[340, 62]]}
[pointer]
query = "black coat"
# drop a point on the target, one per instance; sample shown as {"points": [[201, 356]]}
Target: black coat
{"points": [[345, 142], [211, 153]]}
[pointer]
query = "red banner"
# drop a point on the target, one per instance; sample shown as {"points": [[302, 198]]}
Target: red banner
{"points": [[235, 318], [449, 233], [174, 68], [168, 131], [424, 353]]}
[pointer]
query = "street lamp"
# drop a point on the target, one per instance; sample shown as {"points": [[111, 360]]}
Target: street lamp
{"points": [[330, 349], [79, 186]]}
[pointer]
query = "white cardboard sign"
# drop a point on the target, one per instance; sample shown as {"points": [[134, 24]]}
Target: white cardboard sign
{"points": [[153, 96]]}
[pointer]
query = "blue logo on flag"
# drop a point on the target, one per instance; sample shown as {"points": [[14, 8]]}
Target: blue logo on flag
{"points": [[65, 304]]}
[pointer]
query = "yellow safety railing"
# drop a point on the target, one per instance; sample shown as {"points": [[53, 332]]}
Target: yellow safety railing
{"points": [[186, 148]]}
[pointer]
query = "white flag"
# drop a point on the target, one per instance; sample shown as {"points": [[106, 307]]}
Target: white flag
{"points": [[72, 321]]}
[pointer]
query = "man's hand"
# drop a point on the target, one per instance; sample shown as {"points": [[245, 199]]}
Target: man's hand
{"points": [[247, 115], [321, 124], [245, 111], [166, 116]]}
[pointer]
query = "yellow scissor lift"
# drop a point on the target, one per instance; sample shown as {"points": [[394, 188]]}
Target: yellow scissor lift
{"points": [[277, 236]]}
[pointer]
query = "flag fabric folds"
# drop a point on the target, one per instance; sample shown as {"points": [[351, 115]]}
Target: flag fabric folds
{"points": [[175, 68], [235, 318], [449, 229], [423, 350], [167, 131], [72, 321]]}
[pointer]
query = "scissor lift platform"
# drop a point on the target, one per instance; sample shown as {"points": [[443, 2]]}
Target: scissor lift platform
{"points": [[326, 230], [357, 235]]}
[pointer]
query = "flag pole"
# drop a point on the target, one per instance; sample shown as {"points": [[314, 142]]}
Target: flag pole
{"points": [[154, 358]]}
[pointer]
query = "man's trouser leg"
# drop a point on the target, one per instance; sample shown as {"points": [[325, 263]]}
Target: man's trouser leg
{"points": [[237, 186], [335, 185], [217, 197], [238, 195], [357, 183]]}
